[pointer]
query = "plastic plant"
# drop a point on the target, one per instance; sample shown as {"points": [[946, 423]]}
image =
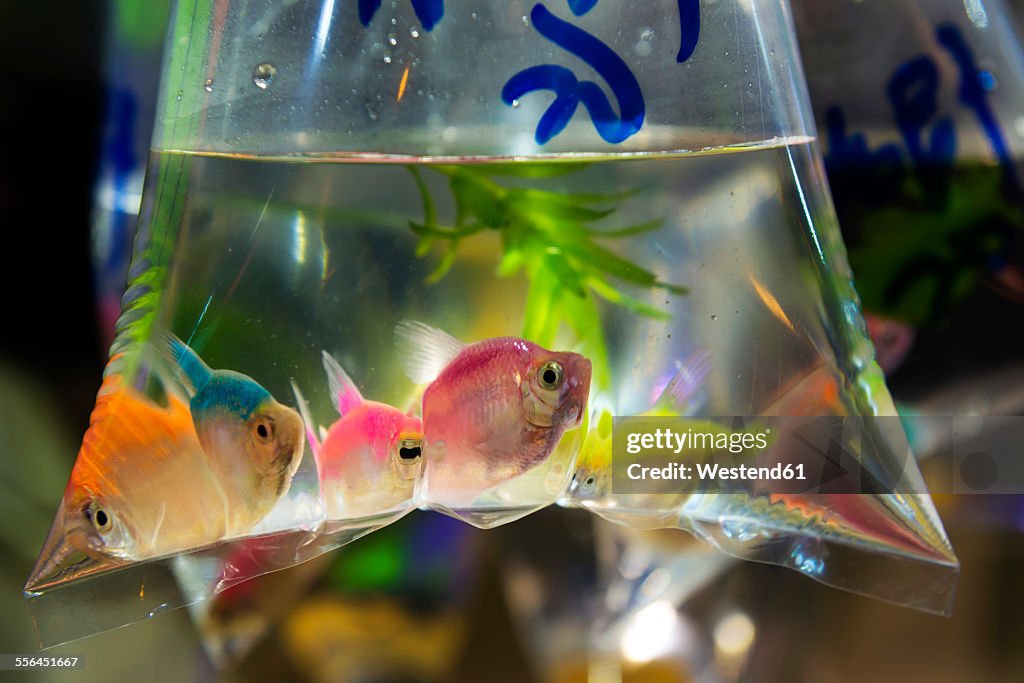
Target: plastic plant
{"points": [[550, 236]]}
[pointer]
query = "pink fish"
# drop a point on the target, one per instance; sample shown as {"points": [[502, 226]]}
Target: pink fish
{"points": [[369, 457], [493, 410]]}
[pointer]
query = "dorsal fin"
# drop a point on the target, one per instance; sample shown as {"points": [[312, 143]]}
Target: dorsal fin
{"points": [[186, 364], [688, 380], [344, 393], [424, 351], [307, 421]]}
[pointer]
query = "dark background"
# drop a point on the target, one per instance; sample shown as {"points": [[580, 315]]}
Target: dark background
{"points": [[51, 106]]}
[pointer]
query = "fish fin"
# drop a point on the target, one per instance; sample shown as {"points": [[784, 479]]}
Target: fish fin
{"points": [[344, 394], [186, 364], [424, 351], [414, 409], [683, 387], [307, 421]]}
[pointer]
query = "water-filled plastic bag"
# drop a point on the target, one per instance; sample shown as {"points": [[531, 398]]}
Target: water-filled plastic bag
{"points": [[421, 256], [917, 103]]}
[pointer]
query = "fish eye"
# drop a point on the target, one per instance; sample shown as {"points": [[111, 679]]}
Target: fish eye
{"points": [[102, 521], [264, 430], [550, 375], [410, 449]]}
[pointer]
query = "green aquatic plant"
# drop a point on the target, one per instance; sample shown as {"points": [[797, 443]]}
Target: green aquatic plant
{"points": [[926, 246], [552, 237]]}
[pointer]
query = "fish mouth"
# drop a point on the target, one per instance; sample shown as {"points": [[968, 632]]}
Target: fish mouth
{"points": [[62, 559]]}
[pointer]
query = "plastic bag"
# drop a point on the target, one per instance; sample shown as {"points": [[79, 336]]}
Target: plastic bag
{"points": [[398, 172]]}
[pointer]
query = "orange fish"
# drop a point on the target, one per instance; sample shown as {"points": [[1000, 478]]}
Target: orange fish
{"points": [[141, 487], [152, 480]]}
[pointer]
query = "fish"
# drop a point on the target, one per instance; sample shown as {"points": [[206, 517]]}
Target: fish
{"points": [[680, 395], [253, 443], [152, 480], [493, 409], [141, 487], [369, 458]]}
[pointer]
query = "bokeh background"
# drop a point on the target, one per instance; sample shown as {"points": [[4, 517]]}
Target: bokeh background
{"points": [[431, 599]]}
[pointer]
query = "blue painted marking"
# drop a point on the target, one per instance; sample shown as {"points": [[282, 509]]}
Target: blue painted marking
{"points": [[913, 91], [689, 28], [570, 92], [973, 93], [581, 7], [429, 12], [846, 150], [367, 9]]}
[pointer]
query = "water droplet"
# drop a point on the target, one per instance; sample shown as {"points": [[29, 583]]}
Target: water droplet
{"points": [[526, 20], [473, 16], [178, 95], [515, 104], [647, 34], [392, 39], [413, 33], [263, 75], [714, 317], [387, 59], [642, 48], [372, 110], [208, 86]]}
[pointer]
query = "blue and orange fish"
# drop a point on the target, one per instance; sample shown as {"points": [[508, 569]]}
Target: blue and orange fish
{"points": [[152, 480]]}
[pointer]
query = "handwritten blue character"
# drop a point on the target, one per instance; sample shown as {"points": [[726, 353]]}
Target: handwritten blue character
{"points": [[570, 92], [913, 91], [689, 23], [974, 87], [689, 28], [429, 12], [581, 7]]}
